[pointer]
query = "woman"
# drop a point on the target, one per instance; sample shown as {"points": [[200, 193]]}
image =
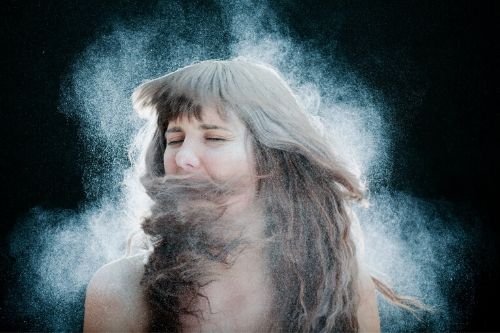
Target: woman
{"points": [[251, 225]]}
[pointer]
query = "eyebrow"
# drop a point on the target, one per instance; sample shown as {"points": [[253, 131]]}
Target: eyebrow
{"points": [[177, 129]]}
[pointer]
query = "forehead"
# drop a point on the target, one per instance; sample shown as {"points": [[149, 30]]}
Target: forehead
{"points": [[208, 115]]}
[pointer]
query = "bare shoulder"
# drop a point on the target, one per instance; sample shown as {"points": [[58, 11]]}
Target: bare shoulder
{"points": [[114, 300], [368, 316]]}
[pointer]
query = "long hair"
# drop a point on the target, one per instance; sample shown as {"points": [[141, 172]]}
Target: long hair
{"points": [[304, 188]]}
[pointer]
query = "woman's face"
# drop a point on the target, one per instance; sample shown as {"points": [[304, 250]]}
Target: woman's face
{"points": [[208, 148]]}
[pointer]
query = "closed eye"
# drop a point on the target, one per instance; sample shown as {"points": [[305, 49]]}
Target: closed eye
{"points": [[216, 139], [175, 142]]}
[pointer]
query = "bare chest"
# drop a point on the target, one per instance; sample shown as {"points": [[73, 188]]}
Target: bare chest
{"points": [[238, 300]]}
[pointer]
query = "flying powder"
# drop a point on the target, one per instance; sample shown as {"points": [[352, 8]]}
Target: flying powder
{"points": [[419, 247]]}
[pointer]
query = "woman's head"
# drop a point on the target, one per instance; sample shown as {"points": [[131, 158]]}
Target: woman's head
{"points": [[303, 186], [240, 92]]}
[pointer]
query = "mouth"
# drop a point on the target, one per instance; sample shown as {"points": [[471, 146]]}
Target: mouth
{"points": [[194, 176]]}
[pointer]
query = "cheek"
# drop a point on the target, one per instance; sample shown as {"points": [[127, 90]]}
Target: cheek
{"points": [[169, 163], [228, 162]]}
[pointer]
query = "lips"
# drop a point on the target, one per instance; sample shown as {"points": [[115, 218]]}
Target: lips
{"points": [[193, 175]]}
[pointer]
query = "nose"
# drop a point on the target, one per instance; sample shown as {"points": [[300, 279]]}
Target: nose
{"points": [[187, 158]]}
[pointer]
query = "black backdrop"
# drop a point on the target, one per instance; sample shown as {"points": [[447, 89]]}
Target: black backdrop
{"points": [[433, 61]]}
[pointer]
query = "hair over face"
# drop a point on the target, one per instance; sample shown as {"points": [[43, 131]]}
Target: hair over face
{"points": [[303, 186]]}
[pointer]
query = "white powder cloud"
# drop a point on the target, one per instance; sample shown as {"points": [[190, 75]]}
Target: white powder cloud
{"points": [[416, 245]]}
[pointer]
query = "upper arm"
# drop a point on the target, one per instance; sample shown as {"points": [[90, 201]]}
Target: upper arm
{"points": [[368, 316], [114, 300], [102, 304]]}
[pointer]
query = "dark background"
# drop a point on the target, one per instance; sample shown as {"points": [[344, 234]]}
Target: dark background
{"points": [[434, 63]]}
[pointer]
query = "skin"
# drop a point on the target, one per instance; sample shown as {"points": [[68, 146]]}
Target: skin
{"points": [[114, 301], [240, 298], [213, 147]]}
